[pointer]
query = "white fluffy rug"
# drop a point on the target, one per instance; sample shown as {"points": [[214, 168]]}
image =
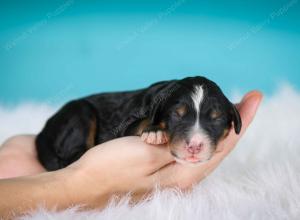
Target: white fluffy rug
{"points": [[259, 180]]}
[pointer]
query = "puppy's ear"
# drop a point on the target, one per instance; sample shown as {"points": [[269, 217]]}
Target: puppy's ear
{"points": [[236, 118], [159, 100]]}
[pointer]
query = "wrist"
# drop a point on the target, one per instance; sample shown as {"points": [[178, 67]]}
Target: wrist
{"points": [[82, 188]]}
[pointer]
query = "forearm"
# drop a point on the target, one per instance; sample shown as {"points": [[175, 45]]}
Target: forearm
{"points": [[59, 190]]}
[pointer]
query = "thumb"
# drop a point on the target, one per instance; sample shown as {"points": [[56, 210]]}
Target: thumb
{"points": [[247, 109]]}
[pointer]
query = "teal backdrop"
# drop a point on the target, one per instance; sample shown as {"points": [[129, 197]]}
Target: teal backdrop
{"points": [[54, 50]]}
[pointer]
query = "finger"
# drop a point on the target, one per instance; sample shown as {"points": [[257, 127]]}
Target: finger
{"points": [[160, 157], [155, 157], [179, 175]]}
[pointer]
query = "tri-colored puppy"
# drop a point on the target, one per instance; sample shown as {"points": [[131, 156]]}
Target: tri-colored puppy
{"points": [[190, 115]]}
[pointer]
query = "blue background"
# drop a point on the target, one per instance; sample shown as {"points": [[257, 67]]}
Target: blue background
{"points": [[55, 50]]}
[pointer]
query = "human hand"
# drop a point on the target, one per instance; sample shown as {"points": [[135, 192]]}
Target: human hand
{"points": [[130, 165], [116, 167]]}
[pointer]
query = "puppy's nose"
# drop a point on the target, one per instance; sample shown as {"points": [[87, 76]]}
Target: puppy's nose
{"points": [[194, 149], [195, 144]]}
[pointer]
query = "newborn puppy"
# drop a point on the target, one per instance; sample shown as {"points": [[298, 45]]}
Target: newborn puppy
{"points": [[190, 115]]}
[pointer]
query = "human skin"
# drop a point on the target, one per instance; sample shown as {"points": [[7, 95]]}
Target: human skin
{"points": [[113, 168]]}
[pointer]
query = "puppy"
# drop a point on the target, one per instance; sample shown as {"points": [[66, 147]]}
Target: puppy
{"points": [[190, 115]]}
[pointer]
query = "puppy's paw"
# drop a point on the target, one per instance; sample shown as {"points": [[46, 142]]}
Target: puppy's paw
{"points": [[154, 137]]}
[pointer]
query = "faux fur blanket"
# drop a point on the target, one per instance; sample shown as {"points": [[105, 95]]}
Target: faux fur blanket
{"points": [[259, 180]]}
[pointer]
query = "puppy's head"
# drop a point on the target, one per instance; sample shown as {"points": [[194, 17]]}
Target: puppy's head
{"points": [[196, 115]]}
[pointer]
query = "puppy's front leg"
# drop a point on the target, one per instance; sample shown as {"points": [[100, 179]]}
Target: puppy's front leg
{"points": [[154, 135]]}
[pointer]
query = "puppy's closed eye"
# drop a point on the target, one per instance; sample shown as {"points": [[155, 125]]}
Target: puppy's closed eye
{"points": [[181, 110], [215, 114]]}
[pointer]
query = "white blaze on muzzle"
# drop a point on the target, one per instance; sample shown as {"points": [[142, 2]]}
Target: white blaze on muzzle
{"points": [[198, 144]]}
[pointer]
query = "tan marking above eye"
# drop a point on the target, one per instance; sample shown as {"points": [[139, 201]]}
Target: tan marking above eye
{"points": [[215, 114], [181, 110]]}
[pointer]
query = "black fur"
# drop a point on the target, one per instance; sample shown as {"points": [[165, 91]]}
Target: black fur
{"points": [[68, 134]]}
